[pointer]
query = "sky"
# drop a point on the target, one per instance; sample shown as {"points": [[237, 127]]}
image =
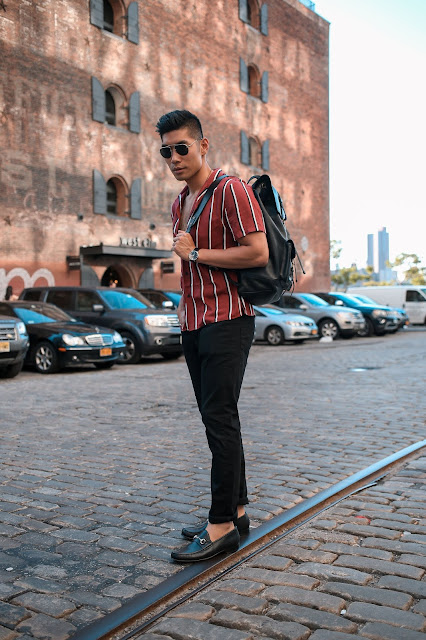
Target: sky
{"points": [[377, 125]]}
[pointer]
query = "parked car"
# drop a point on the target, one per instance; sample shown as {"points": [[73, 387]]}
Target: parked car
{"points": [[276, 325], [13, 345], [162, 299], [400, 314], [57, 340], [379, 319], [145, 329], [410, 298], [332, 322]]}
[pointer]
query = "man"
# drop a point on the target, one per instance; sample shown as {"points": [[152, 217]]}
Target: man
{"points": [[217, 324]]}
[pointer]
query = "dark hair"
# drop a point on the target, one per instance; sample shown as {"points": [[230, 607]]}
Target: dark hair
{"points": [[177, 120], [9, 292]]}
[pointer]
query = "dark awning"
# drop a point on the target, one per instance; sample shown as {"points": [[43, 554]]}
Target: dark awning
{"points": [[125, 252]]}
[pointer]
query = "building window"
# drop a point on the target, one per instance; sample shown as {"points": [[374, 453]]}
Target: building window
{"points": [[253, 153], [109, 108], [252, 83], [110, 15], [113, 197], [251, 14]]}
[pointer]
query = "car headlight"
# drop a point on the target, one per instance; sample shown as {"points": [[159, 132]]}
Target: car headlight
{"points": [[378, 313], [345, 315], [293, 323], [72, 341], [22, 330], [116, 337], [157, 321]]}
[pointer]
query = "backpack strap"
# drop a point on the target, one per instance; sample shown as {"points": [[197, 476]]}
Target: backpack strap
{"points": [[206, 197]]}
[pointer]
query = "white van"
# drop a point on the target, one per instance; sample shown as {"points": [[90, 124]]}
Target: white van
{"points": [[411, 298]]}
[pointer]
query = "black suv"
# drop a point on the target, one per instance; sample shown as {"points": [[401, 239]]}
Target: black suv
{"points": [[145, 329], [378, 319]]}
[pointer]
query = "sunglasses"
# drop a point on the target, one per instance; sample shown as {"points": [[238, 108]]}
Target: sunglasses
{"points": [[182, 149]]}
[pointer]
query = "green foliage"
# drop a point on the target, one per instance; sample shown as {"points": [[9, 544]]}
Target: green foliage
{"points": [[414, 273], [349, 275]]}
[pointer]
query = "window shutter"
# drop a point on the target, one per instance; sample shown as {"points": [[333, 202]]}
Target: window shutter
{"points": [[265, 155], [265, 86], [244, 77], [135, 112], [243, 13], [245, 149], [97, 13], [98, 101], [133, 23], [264, 19], [99, 193], [136, 199]]}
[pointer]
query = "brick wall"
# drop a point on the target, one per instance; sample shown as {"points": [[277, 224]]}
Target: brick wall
{"points": [[188, 56]]}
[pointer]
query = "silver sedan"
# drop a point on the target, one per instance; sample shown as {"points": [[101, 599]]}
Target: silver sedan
{"points": [[275, 325]]}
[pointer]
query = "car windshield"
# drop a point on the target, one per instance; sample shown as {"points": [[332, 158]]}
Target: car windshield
{"points": [[365, 299], [313, 299], [423, 290], [121, 300], [40, 314], [345, 297]]}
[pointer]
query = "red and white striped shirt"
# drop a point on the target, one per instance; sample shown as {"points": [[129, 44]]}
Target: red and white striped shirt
{"points": [[232, 212]]}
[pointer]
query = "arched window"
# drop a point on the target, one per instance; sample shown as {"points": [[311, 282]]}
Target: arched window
{"points": [[253, 13], [117, 196], [111, 197], [253, 81], [255, 153], [108, 16], [110, 116]]}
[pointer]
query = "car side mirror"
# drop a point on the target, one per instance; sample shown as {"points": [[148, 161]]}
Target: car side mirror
{"points": [[303, 307], [167, 304], [98, 308], [339, 303]]}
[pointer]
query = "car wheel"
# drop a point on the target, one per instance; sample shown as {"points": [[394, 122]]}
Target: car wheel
{"points": [[132, 353], [368, 329], [11, 371], [328, 328], [274, 336], [45, 358], [173, 355], [104, 365]]}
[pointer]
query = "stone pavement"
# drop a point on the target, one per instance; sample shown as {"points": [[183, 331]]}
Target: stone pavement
{"points": [[357, 569], [99, 470]]}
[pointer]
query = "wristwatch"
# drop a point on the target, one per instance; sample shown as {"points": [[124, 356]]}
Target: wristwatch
{"points": [[193, 255]]}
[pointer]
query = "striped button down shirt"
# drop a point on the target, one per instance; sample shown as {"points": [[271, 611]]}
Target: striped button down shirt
{"points": [[232, 212]]}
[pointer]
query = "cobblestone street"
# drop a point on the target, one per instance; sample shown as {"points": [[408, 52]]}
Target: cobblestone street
{"points": [[99, 470]]}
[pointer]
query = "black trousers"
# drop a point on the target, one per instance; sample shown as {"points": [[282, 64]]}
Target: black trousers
{"points": [[216, 355]]}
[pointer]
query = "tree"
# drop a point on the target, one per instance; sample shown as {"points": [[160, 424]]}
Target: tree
{"points": [[350, 275], [414, 273]]}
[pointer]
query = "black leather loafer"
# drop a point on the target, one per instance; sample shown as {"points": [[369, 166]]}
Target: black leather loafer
{"points": [[202, 548], [242, 523]]}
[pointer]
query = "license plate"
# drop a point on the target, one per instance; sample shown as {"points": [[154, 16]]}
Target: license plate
{"points": [[4, 347], [105, 352]]}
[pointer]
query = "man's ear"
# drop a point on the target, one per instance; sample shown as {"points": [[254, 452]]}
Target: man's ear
{"points": [[204, 146]]}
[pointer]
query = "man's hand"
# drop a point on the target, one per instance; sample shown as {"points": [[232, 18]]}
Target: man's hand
{"points": [[183, 244]]}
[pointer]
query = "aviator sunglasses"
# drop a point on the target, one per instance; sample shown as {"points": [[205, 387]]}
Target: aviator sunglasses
{"points": [[181, 148]]}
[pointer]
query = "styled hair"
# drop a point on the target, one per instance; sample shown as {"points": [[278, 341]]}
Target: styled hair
{"points": [[177, 120]]}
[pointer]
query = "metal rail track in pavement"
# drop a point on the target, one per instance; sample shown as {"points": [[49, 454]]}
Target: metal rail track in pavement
{"points": [[138, 614]]}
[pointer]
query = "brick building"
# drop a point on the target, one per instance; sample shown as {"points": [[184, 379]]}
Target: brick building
{"points": [[84, 194]]}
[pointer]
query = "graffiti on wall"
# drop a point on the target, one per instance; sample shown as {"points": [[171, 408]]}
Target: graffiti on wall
{"points": [[27, 279]]}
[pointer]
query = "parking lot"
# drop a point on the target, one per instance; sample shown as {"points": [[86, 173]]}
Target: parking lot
{"points": [[99, 469]]}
